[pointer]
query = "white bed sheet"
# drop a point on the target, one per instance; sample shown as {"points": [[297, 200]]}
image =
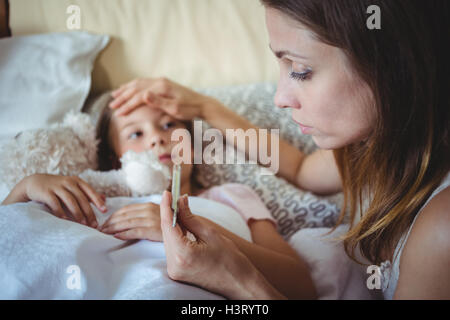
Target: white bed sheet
{"points": [[38, 249]]}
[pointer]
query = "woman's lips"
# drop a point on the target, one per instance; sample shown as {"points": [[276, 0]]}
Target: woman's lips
{"points": [[305, 129]]}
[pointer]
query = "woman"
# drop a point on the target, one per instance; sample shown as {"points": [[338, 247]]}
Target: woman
{"points": [[376, 104]]}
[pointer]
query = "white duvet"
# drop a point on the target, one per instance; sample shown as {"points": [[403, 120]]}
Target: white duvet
{"points": [[41, 256]]}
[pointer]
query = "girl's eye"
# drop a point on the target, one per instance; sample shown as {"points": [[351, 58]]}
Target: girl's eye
{"points": [[302, 76], [168, 125], [135, 135]]}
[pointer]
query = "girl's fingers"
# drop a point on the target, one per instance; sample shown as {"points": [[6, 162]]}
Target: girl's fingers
{"points": [[136, 206], [83, 202], [128, 224], [123, 97], [55, 205], [71, 203], [140, 213], [95, 197], [152, 234], [139, 209]]}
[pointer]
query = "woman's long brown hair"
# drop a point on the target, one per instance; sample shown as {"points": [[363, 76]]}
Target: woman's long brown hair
{"points": [[406, 66]]}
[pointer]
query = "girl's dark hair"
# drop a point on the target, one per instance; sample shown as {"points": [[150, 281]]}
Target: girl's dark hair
{"points": [[107, 158], [406, 66]]}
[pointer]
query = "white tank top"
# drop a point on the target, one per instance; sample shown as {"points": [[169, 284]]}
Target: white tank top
{"points": [[390, 272]]}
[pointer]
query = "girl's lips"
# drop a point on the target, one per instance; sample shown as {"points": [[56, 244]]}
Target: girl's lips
{"points": [[165, 157]]}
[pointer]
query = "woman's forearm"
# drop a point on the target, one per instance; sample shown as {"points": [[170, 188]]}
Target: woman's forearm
{"points": [[287, 274], [222, 118]]}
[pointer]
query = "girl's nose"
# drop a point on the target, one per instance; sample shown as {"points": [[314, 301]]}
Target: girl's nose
{"points": [[157, 141]]}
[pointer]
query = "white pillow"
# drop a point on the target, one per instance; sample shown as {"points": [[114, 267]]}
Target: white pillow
{"points": [[44, 76]]}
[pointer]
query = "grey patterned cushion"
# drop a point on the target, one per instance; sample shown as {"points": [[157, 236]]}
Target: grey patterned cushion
{"points": [[292, 208]]}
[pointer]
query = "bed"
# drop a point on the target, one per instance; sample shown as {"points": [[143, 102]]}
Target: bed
{"points": [[219, 48]]}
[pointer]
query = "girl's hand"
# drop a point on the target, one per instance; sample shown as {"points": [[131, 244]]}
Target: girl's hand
{"points": [[135, 221], [199, 254], [58, 191], [178, 101]]}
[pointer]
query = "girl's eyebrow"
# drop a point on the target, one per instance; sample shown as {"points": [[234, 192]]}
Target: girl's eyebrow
{"points": [[128, 124], [280, 54]]}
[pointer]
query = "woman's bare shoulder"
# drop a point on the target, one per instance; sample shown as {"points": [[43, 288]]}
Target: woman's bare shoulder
{"points": [[319, 173], [426, 256]]}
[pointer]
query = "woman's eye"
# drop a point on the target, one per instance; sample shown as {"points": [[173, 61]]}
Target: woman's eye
{"points": [[168, 125], [135, 135], [302, 76]]}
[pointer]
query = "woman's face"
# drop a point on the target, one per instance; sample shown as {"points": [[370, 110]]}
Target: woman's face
{"points": [[316, 81], [148, 128]]}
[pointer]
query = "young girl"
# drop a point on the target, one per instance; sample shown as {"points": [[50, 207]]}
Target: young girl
{"points": [[143, 129]]}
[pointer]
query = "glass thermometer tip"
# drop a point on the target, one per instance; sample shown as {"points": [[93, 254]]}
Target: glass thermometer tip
{"points": [[176, 174]]}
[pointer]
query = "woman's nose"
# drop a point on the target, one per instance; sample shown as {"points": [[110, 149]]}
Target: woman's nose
{"points": [[286, 97]]}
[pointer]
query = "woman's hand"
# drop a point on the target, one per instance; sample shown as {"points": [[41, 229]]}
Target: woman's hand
{"points": [[135, 221], [178, 101], [58, 191], [198, 254]]}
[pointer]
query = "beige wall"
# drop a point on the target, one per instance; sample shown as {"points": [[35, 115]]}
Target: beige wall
{"points": [[199, 43]]}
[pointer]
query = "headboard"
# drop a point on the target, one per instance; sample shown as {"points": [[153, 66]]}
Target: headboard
{"points": [[198, 43], [4, 19]]}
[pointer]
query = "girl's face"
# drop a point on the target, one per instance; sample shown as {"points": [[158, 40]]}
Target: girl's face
{"points": [[148, 128], [316, 81]]}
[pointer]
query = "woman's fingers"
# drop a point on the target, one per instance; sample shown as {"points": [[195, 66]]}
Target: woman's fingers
{"points": [[123, 97], [189, 220], [173, 236], [131, 104], [119, 90]]}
